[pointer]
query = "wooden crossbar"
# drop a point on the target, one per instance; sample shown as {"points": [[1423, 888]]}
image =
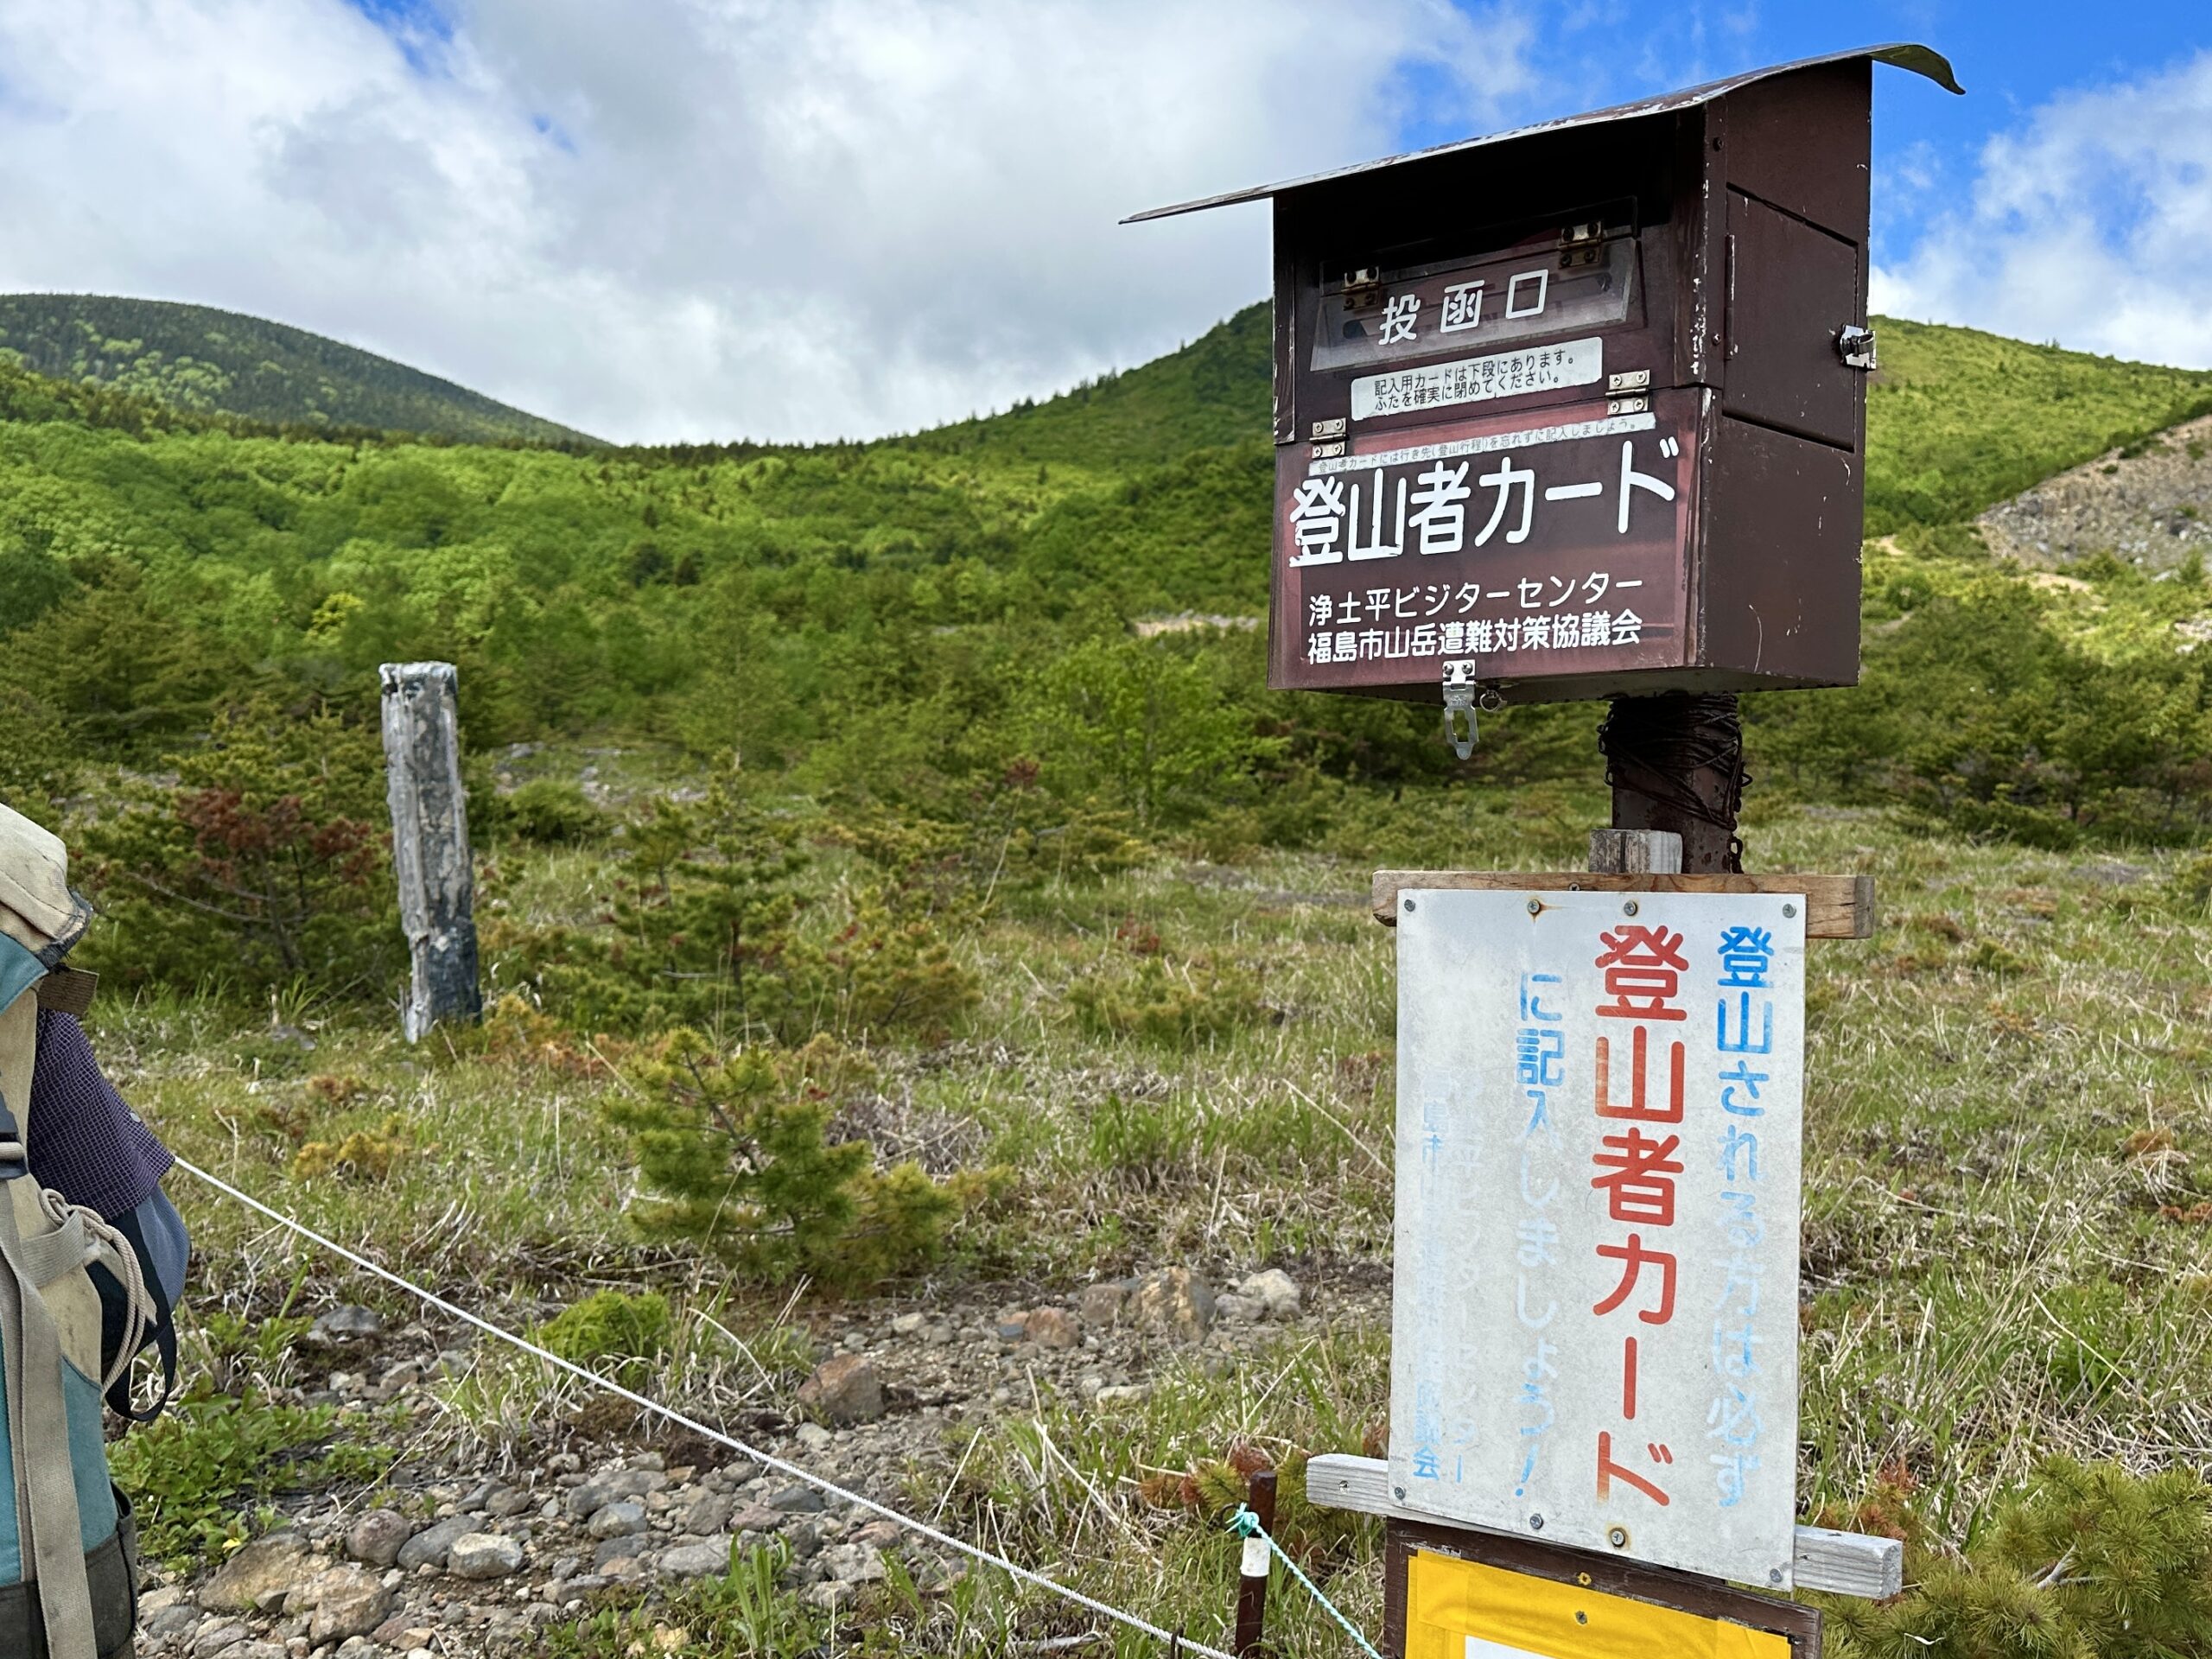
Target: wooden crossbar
{"points": [[1842, 1563], [1836, 906]]}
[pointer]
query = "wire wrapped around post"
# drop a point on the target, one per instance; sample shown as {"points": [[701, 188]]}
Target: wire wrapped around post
{"points": [[1675, 762]]}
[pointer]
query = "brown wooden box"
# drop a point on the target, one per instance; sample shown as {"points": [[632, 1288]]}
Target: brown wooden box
{"points": [[1580, 410]]}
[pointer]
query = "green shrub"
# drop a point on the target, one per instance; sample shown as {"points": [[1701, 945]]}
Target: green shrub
{"points": [[1981, 711], [2087, 1562], [2190, 885], [734, 1154], [614, 1334], [194, 1475], [265, 867], [1178, 1005], [704, 931], [37, 760], [1147, 727], [551, 812]]}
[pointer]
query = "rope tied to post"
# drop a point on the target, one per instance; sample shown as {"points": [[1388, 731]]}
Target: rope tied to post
{"points": [[1245, 1524]]}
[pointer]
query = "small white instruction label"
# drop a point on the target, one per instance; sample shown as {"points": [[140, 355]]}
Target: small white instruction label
{"points": [[1478, 379]]}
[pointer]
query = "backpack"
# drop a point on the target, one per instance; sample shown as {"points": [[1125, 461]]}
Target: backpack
{"points": [[68, 1567]]}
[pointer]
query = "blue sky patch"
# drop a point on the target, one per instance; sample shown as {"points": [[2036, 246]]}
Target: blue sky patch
{"points": [[420, 29], [2011, 59]]}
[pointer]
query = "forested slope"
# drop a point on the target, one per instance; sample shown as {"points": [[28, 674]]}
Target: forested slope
{"points": [[195, 358], [917, 611]]}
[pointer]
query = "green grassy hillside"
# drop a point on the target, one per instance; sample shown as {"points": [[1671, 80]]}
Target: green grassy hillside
{"points": [[1215, 390], [1958, 419], [905, 939], [926, 591], [195, 358]]}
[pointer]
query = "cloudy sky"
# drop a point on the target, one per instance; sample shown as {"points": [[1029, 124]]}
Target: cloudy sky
{"points": [[805, 218]]}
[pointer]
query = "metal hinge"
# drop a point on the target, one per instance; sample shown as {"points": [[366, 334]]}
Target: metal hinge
{"points": [[1581, 245], [1463, 695], [1363, 288], [1855, 346]]}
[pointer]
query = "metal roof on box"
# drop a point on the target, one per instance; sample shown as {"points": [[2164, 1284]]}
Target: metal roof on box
{"points": [[1921, 60]]}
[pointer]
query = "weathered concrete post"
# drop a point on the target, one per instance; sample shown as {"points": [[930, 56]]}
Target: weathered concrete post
{"points": [[430, 843]]}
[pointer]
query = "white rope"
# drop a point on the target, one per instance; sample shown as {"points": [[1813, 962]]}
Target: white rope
{"points": [[1182, 1643]]}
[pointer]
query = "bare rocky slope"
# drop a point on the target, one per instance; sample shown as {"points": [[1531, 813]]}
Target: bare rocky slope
{"points": [[2149, 504]]}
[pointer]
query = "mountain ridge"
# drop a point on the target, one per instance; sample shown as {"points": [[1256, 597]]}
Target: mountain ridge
{"points": [[203, 360]]}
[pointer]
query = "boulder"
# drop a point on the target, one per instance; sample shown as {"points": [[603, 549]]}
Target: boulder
{"points": [[1275, 1291], [482, 1556], [843, 1390], [349, 1602], [377, 1537], [433, 1544], [258, 1575], [1173, 1302]]}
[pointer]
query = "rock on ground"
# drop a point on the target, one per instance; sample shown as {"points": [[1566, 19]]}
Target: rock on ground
{"points": [[1103, 1303], [349, 1602], [1275, 1291], [1173, 1302], [377, 1537], [482, 1556], [431, 1545], [617, 1520], [700, 1560], [1051, 1327], [843, 1390], [264, 1569], [342, 1326]]}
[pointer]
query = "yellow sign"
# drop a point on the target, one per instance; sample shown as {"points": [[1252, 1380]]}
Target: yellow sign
{"points": [[1463, 1610]]}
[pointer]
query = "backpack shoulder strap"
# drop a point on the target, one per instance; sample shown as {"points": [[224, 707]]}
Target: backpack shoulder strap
{"points": [[47, 1518]]}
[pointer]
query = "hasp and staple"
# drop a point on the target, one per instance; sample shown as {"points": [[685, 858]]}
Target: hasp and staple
{"points": [[1580, 410]]}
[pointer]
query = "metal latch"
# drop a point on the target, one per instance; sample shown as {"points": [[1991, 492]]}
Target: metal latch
{"points": [[1363, 288], [1463, 695], [1855, 346]]}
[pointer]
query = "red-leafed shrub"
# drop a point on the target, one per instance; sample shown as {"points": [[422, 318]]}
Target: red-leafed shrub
{"points": [[265, 865]]}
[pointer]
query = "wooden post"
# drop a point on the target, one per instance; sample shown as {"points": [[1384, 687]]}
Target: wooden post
{"points": [[1675, 762], [1252, 1582], [429, 844]]}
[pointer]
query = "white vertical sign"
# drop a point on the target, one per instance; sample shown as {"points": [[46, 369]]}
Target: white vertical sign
{"points": [[1595, 1329]]}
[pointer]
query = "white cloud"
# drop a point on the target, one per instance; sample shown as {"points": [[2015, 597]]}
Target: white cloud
{"points": [[702, 218], [2089, 225]]}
